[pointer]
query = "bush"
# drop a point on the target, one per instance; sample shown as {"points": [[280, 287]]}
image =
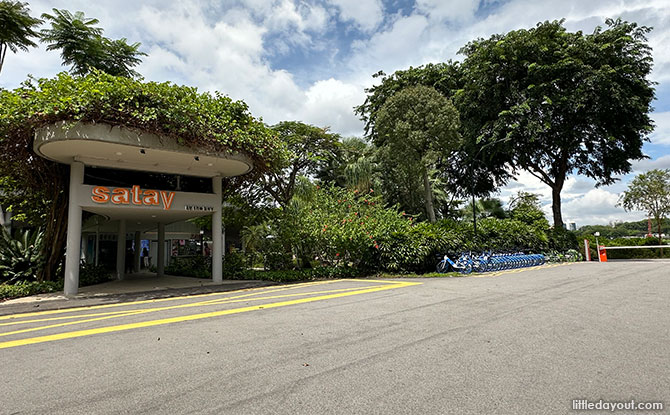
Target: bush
{"points": [[195, 266], [233, 265], [626, 253], [90, 274], [25, 288], [304, 274], [276, 261], [21, 258]]}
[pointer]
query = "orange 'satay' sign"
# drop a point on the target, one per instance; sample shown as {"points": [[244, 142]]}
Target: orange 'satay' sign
{"points": [[134, 196]]}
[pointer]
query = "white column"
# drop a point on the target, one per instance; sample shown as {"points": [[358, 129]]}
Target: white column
{"points": [[73, 250], [217, 238], [160, 266], [138, 247], [121, 250]]}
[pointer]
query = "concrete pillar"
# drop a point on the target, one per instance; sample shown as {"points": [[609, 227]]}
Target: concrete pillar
{"points": [[121, 250], [217, 237], [73, 250], [138, 251], [160, 266]]}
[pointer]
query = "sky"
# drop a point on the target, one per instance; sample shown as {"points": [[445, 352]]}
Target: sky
{"points": [[312, 60]]}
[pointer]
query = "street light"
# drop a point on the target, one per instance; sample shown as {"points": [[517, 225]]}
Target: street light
{"points": [[597, 234]]}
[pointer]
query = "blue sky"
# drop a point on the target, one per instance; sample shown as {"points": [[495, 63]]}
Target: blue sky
{"points": [[312, 60]]}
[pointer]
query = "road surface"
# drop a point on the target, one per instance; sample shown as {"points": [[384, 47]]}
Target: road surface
{"points": [[527, 342]]}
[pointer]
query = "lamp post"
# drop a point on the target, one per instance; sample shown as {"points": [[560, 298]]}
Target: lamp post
{"points": [[597, 234]]}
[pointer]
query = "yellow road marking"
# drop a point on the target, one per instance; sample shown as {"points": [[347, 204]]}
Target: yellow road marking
{"points": [[124, 311], [107, 316], [156, 300], [192, 317]]}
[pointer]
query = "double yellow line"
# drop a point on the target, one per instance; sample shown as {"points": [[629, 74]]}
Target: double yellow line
{"points": [[306, 297]]}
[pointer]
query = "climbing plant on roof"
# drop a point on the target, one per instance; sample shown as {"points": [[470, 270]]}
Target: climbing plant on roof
{"points": [[34, 188]]}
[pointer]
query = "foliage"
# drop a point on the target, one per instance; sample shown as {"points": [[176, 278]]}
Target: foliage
{"points": [[276, 261], [233, 265], [17, 28], [20, 258], [525, 207], [196, 266], [621, 229], [624, 253], [470, 169], [83, 46], [91, 274], [415, 127], [649, 192], [352, 165], [308, 149], [554, 102], [36, 187], [26, 288], [304, 274]]}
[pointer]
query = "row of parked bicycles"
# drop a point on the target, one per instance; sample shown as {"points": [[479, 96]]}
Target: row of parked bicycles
{"points": [[489, 261]]}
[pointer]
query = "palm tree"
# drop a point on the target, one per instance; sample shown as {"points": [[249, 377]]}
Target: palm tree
{"points": [[76, 37], [82, 45], [16, 28]]}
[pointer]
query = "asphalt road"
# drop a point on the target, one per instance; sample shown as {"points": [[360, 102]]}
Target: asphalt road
{"points": [[519, 343]]}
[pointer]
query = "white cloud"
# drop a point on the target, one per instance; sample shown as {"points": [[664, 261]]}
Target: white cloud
{"points": [[597, 206], [451, 10], [643, 166], [330, 103], [661, 134], [366, 14]]}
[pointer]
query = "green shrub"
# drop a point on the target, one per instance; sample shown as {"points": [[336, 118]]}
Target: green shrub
{"points": [[562, 240], [21, 258], [278, 261], [234, 265], [195, 266], [26, 288], [625, 253], [304, 274], [90, 274]]}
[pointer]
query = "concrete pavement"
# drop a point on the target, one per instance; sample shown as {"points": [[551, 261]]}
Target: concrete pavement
{"points": [[518, 343]]}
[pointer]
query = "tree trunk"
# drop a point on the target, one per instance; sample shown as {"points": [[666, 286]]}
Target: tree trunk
{"points": [[556, 206], [430, 210], [55, 232]]}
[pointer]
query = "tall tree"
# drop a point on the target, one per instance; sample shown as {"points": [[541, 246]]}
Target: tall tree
{"points": [[415, 127], [16, 28], [473, 168], [83, 47], [649, 192], [309, 149], [554, 102]]}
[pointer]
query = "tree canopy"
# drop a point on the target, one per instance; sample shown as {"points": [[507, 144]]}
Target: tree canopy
{"points": [[83, 47], [309, 148], [553, 102], [416, 127], [16, 28], [649, 192]]}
